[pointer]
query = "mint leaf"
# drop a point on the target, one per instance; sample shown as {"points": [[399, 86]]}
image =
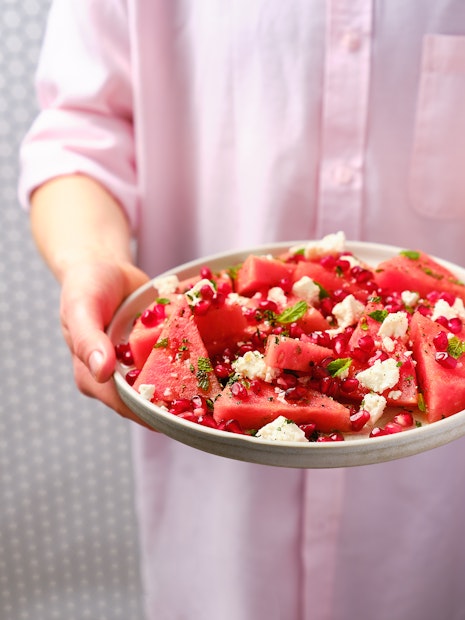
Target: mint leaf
{"points": [[412, 254], [293, 313], [456, 347], [378, 315], [339, 366]]}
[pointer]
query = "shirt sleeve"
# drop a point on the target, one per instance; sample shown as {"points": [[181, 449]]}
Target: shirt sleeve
{"points": [[85, 122]]}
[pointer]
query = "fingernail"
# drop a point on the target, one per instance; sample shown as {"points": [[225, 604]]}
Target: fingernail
{"points": [[96, 362]]}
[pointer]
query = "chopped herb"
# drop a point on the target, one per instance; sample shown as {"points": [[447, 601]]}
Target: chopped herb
{"points": [[232, 271], [339, 366], [412, 254], [456, 347], [294, 313], [204, 368], [323, 294], [418, 424], [162, 343], [364, 323], [433, 274], [378, 315], [421, 402], [375, 299], [163, 301]]}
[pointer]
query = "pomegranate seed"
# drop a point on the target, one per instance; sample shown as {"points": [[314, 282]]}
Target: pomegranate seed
{"points": [[424, 310], [207, 420], [455, 325], [207, 292], [222, 371], [366, 343], [323, 339], [244, 348], [339, 294], [333, 437], [308, 429], [219, 300], [378, 432], [441, 341], [160, 311], [359, 419], [328, 262], [200, 405], [326, 306], [132, 375], [286, 284], [342, 264], [149, 318], [286, 381], [297, 392], [224, 288], [180, 405], [319, 372], [206, 273], [340, 345], [268, 305], [445, 360], [360, 274], [233, 426], [393, 427], [238, 390], [202, 307], [329, 386], [252, 315], [442, 321], [404, 419], [381, 356], [258, 339], [295, 331], [187, 415], [349, 385], [122, 350], [360, 356]]}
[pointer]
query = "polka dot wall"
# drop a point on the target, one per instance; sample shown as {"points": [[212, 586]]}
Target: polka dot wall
{"points": [[68, 547]]}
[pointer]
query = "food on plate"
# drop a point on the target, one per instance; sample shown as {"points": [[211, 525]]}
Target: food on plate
{"points": [[312, 344]]}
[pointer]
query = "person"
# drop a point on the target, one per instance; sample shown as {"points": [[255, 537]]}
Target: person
{"points": [[202, 127]]}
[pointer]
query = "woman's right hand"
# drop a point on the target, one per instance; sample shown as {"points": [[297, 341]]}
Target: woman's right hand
{"points": [[92, 290]]}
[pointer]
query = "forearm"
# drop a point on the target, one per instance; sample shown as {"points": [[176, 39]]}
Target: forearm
{"points": [[74, 219]]}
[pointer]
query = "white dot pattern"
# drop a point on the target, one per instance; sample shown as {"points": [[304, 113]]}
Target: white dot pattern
{"points": [[68, 541]]}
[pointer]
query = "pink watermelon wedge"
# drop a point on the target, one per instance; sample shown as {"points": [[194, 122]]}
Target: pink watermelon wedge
{"points": [[178, 365], [443, 387], [261, 406]]}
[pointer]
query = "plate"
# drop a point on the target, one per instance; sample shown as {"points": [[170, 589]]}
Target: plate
{"points": [[359, 451]]}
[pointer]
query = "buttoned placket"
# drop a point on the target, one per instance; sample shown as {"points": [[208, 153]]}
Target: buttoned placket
{"points": [[340, 202], [344, 117]]}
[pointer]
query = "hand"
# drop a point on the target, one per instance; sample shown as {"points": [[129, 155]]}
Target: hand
{"points": [[91, 293]]}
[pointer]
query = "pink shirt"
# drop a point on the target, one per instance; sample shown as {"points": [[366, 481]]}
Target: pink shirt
{"points": [[225, 125]]}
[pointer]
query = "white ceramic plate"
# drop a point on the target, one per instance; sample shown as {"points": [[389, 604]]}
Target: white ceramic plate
{"points": [[360, 451]]}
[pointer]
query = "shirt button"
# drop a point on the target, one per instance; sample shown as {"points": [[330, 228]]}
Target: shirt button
{"points": [[343, 175], [351, 41]]}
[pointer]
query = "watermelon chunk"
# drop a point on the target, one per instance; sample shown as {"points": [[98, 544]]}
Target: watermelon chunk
{"points": [[443, 388], [178, 366], [143, 337], [293, 354], [333, 279], [222, 326], [419, 272], [261, 272], [265, 405]]}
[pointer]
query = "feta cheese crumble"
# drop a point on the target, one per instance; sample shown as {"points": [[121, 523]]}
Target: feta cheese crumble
{"points": [[306, 289], [381, 376], [252, 365], [375, 405], [348, 311], [166, 285], [282, 429], [410, 298], [395, 325], [277, 295], [442, 308], [193, 294], [147, 390]]}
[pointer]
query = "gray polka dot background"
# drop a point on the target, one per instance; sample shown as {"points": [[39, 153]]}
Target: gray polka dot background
{"points": [[68, 541]]}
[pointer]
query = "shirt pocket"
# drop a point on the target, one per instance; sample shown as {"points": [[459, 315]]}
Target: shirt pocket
{"points": [[437, 175]]}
